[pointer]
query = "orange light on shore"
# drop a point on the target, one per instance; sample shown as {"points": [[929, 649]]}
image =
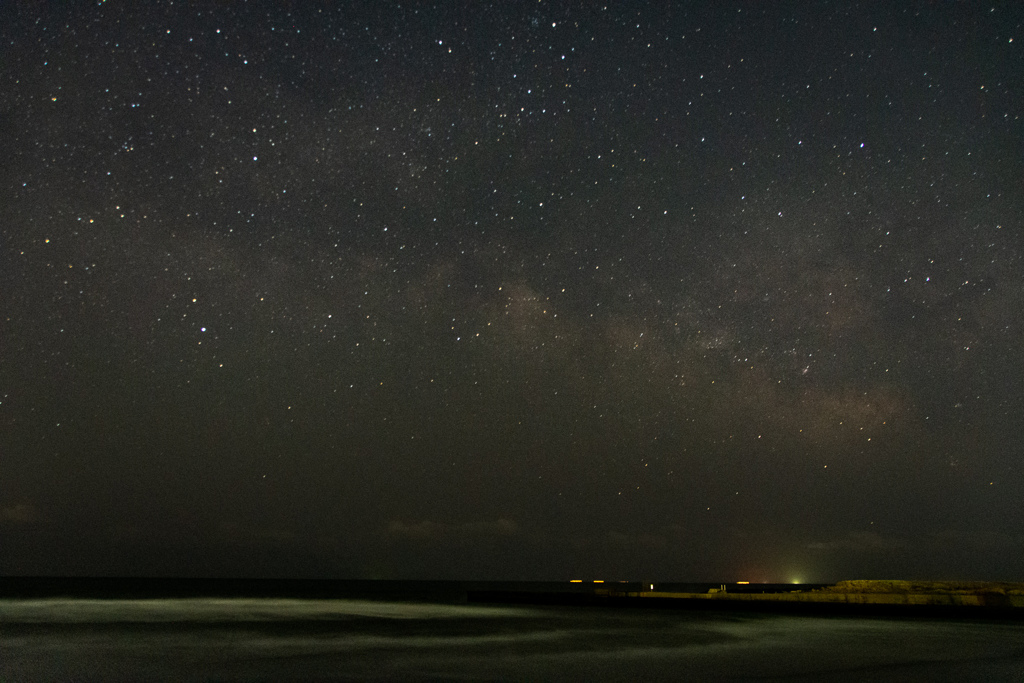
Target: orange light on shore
{"points": [[575, 580], [598, 580], [742, 583]]}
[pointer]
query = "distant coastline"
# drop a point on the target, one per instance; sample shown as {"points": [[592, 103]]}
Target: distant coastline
{"points": [[878, 592], [855, 597]]}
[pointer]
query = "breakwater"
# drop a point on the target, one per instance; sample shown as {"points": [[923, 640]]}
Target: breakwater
{"points": [[875, 598]]}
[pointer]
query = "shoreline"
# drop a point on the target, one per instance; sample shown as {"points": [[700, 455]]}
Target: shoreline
{"points": [[846, 598]]}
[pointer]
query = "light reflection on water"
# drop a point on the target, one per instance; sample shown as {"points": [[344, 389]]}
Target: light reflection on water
{"points": [[246, 639]]}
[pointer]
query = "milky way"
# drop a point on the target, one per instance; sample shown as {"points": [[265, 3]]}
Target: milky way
{"points": [[497, 291]]}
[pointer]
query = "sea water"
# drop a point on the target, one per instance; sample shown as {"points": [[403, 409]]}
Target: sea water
{"points": [[229, 639]]}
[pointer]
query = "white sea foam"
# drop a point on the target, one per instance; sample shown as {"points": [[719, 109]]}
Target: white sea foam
{"points": [[64, 610], [273, 639]]}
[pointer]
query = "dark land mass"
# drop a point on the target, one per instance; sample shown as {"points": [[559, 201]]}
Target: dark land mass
{"points": [[932, 599], [845, 598]]}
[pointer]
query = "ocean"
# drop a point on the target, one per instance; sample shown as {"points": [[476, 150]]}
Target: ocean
{"points": [[430, 633]]}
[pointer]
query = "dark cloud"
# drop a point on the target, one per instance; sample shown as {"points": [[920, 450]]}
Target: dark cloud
{"points": [[19, 514], [860, 542], [428, 531]]}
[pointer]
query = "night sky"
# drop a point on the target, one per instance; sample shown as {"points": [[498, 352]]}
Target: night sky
{"points": [[512, 290]]}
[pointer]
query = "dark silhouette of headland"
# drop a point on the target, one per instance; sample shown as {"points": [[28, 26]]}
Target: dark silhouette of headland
{"points": [[862, 597], [959, 599]]}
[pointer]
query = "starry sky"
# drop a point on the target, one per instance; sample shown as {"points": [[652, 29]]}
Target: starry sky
{"points": [[512, 290]]}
